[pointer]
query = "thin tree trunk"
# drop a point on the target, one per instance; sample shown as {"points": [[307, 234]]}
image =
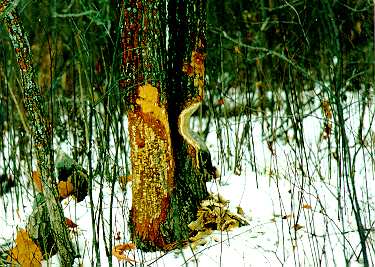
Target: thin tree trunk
{"points": [[41, 131]]}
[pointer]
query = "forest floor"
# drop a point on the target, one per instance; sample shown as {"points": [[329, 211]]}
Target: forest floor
{"points": [[296, 201]]}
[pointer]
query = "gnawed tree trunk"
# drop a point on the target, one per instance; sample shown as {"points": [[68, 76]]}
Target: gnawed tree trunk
{"points": [[41, 132], [164, 86]]}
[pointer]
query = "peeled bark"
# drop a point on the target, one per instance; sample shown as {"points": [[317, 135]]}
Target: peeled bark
{"points": [[152, 166], [163, 87]]}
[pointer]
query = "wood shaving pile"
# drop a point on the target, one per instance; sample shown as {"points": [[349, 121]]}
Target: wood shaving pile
{"points": [[214, 214]]}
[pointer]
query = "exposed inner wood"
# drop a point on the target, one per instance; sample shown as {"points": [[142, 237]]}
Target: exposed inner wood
{"points": [[195, 70], [152, 165]]}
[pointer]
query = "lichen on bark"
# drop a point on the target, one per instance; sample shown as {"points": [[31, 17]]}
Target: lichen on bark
{"points": [[41, 131]]}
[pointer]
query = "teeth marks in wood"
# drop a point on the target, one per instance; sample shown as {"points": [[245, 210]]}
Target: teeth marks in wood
{"points": [[152, 164]]}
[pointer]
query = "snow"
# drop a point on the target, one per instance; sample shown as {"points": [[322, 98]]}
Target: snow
{"points": [[289, 190]]}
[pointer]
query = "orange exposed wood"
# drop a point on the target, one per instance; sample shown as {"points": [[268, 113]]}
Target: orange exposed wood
{"points": [[152, 165]]}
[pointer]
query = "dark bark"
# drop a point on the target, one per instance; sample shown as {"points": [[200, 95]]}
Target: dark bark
{"points": [[186, 59], [164, 87], [41, 131]]}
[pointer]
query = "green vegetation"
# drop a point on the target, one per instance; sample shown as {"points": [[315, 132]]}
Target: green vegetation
{"points": [[276, 60]]}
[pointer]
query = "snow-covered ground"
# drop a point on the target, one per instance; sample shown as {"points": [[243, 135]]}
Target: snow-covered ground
{"points": [[298, 205]]}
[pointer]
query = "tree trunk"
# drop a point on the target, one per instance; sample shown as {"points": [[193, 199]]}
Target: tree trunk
{"points": [[163, 64], [41, 132]]}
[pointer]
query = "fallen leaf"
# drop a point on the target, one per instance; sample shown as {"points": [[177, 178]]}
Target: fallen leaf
{"points": [[240, 210], [284, 217], [238, 170], [297, 227], [65, 188], [327, 109], [197, 225], [214, 214], [118, 236], [306, 206], [216, 239], [271, 147], [70, 223], [200, 235], [199, 242], [229, 225], [118, 251], [26, 252]]}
